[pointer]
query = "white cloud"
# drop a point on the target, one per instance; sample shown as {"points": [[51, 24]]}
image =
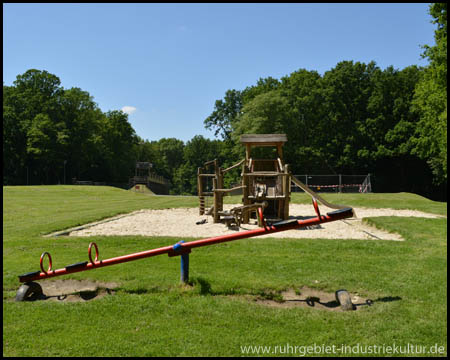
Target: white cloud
{"points": [[128, 109]]}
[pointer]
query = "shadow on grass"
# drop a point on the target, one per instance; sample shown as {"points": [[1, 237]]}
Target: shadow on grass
{"points": [[85, 295], [388, 299], [142, 290], [206, 289], [370, 302], [205, 286], [311, 301]]}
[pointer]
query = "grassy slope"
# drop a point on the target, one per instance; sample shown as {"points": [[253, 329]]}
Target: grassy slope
{"points": [[152, 315]]}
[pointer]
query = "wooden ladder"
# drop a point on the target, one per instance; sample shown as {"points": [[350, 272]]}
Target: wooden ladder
{"points": [[201, 208]]}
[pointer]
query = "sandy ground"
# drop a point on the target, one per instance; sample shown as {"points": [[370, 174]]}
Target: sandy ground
{"points": [[181, 223], [68, 290], [312, 298]]}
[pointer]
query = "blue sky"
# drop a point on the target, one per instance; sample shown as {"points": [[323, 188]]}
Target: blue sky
{"points": [[167, 64]]}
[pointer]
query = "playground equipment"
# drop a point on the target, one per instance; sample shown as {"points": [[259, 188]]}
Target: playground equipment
{"points": [[266, 193], [31, 289], [263, 181], [145, 181]]}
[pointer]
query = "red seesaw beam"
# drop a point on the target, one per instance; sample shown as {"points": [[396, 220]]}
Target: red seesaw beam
{"points": [[183, 248]]}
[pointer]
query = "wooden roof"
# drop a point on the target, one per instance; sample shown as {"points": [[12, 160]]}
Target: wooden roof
{"points": [[263, 139]]}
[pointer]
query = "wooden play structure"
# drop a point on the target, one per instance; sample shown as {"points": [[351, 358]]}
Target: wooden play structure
{"points": [[146, 181], [265, 183]]}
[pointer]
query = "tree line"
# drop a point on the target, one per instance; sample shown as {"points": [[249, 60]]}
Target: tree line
{"points": [[354, 119], [52, 135]]}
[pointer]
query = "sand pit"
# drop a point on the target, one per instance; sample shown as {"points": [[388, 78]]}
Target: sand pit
{"points": [[181, 222]]}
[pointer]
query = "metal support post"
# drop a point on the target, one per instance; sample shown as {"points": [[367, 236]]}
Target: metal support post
{"points": [[184, 268]]}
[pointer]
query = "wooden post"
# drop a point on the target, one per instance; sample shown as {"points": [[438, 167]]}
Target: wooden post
{"points": [[216, 200], [219, 194], [247, 153], [287, 192], [280, 151], [245, 199]]}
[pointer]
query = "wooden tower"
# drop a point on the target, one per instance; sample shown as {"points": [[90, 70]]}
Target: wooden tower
{"points": [[266, 179], [264, 182]]}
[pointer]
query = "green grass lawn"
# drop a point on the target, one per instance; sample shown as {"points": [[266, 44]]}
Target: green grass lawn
{"points": [[151, 314]]}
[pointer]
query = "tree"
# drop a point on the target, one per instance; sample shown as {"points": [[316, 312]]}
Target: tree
{"points": [[346, 92], [430, 100], [262, 86], [304, 121], [46, 142], [196, 152], [389, 123], [14, 140], [225, 113], [82, 118], [145, 151], [33, 99], [169, 157], [119, 140]]}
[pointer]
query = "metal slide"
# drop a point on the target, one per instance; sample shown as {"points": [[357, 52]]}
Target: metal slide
{"points": [[306, 189]]}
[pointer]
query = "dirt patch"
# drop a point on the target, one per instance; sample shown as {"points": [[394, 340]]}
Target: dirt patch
{"points": [[75, 290], [181, 222], [312, 298]]}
